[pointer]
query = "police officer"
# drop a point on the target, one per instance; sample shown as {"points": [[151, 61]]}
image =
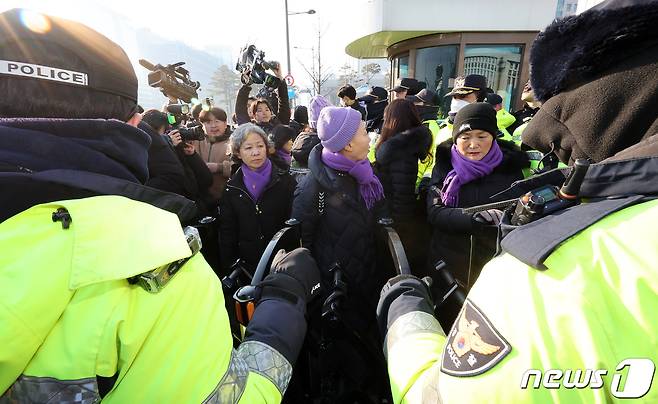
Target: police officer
{"points": [[566, 313], [76, 224]]}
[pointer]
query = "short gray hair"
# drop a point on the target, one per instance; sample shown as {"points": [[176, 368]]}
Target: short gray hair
{"points": [[240, 135]]}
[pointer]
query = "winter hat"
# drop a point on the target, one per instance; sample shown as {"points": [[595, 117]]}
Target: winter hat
{"points": [[576, 49], [468, 84], [316, 105], [612, 63], [337, 126], [494, 99], [58, 52], [301, 114], [479, 115], [280, 135], [427, 97]]}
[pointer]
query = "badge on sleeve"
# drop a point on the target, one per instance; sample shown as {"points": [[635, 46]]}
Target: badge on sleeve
{"points": [[474, 345]]}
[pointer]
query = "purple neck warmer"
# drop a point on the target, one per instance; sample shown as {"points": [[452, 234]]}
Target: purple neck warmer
{"points": [[370, 188], [255, 181], [465, 171], [287, 157]]}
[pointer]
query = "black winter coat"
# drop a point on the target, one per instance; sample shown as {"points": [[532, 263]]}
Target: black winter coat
{"points": [[375, 116], [397, 168], [165, 171], [452, 229], [356, 106], [337, 227], [245, 225], [428, 112], [302, 147]]}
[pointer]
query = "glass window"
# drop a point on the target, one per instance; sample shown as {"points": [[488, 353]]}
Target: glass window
{"points": [[435, 66], [402, 66], [499, 64]]}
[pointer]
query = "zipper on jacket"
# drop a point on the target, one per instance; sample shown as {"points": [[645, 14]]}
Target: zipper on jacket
{"points": [[62, 215], [248, 196]]}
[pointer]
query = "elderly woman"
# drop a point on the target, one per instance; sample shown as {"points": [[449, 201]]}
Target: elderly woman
{"points": [[336, 204], [256, 202], [336, 201], [470, 168]]}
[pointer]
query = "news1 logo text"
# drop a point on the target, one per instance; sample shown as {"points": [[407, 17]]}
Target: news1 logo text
{"points": [[636, 384]]}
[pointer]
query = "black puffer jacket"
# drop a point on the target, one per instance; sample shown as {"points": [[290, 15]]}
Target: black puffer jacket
{"points": [[247, 226], [302, 147], [452, 229], [337, 227], [165, 171], [397, 168]]}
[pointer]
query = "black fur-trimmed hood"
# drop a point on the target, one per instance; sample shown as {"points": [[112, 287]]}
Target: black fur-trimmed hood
{"points": [[575, 49], [513, 158], [415, 141]]}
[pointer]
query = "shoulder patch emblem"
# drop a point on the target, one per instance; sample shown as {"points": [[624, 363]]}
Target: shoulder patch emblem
{"points": [[474, 345]]}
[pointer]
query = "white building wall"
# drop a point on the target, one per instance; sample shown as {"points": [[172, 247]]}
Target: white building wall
{"points": [[451, 15]]}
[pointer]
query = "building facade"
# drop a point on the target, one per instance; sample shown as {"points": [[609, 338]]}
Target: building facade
{"points": [[435, 41]]}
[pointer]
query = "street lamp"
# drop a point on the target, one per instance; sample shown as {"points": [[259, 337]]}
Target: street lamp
{"points": [[288, 33]]}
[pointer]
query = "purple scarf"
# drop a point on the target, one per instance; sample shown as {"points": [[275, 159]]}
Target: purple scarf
{"points": [[255, 181], [465, 171], [287, 157], [370, 188]]}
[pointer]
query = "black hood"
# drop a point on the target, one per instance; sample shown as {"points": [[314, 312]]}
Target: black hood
{"points": [[45, 160], [108, 147], [415, 141]]}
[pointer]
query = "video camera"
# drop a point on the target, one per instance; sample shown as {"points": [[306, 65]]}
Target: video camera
{"points": [[173, 80], [180, 117], [252, 65]]}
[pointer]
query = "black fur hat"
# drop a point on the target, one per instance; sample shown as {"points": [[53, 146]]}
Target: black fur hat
{"points": [[574, 49]]}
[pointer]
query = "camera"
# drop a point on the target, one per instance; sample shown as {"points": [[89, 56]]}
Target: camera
{"points": [[173, 80], [192, 133], [252, 65], [178, 109]]}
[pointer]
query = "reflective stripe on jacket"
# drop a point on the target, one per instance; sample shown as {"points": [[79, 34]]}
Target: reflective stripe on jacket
{"points": [[68, 314], [592, 308]]}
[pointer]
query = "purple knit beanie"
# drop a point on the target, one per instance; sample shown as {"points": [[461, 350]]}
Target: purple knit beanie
{"points": [[315, 107], [337, 126]]}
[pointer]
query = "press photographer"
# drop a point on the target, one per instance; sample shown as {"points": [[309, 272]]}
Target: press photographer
{"points": [[274, 93], [197, 178]]}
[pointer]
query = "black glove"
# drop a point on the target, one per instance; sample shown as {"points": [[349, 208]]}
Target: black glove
{"points": [[401, 295], [490, 217], [294, 273]]}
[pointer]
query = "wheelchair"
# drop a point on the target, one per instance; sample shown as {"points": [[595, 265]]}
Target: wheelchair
{"points": [[339, 361]]}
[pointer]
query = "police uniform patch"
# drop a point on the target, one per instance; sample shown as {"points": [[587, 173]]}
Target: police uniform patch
{"points": [[474, 345]]}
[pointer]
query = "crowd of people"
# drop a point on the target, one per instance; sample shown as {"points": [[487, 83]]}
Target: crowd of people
{"points": [[118, 225]]}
